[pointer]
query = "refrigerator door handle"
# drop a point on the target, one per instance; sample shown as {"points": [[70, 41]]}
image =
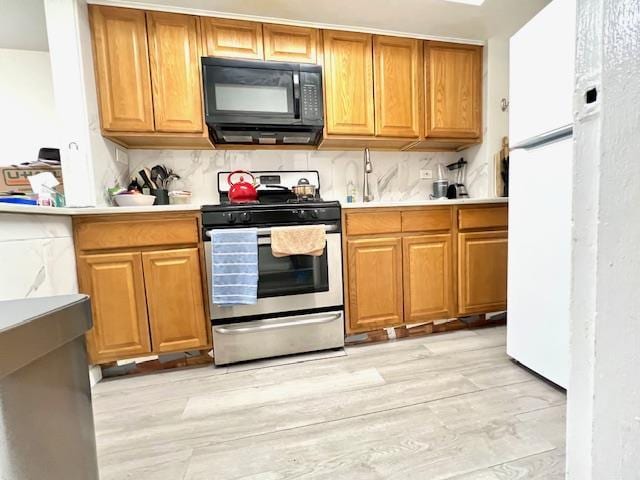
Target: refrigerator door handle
{"points": [[544, 138]]}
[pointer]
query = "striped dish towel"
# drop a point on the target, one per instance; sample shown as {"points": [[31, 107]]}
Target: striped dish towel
{"points": [[235, 266]]}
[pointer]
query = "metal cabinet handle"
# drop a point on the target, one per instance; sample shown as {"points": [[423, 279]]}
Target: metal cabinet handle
{"points": [[274, 326]]}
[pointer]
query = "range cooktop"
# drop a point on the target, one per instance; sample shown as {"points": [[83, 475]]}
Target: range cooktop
{"points": [[276, 204]]}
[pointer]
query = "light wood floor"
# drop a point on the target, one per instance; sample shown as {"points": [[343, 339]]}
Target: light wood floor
{"points": [[448, 406]]}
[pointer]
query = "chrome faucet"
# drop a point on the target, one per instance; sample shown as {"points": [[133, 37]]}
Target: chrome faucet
{"points": [[367, 196]]}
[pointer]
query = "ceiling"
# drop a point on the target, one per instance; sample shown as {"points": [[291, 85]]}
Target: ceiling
{"points": [[23, 25], [437, 18]]}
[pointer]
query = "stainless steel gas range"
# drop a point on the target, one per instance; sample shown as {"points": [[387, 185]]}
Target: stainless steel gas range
{"points": [[300, 297]]}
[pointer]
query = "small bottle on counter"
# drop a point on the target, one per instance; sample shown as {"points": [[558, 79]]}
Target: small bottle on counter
{"points": [[134, 185], [352, 193]]}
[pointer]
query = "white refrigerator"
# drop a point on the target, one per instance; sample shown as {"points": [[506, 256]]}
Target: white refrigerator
{"points": [[541, 84]]}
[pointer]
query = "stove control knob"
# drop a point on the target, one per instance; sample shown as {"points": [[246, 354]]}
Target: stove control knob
{"points": [[315, 213], [245, 217], [301, 214], [231, 217]]}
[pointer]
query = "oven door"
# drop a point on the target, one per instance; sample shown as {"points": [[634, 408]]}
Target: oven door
{"points": [[289, 284], [240, 92]]}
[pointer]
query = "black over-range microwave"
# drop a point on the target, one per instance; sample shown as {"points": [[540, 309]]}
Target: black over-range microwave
{"points": [[265, 103]]}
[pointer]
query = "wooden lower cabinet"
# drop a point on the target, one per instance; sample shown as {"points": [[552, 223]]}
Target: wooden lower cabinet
{"points": [[173, 286], [375, 283], [115, 282], [146, 284], [482, 272], [415, 265], [428, 279]]}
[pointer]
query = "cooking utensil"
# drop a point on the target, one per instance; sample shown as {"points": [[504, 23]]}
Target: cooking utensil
{"points": [[304, 189], [241, 191], [145, 174], [158, 175]]}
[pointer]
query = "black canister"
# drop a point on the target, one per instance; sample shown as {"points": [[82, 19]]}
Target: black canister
{"points": [[162, 196]]}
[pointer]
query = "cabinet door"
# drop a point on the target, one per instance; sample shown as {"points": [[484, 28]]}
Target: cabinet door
{"points": [[454, 90], [174, 296], [397, 79], [482, 272], [232, 38], [348, 73], [175, 71], [290, 44], [428, 279], [375, 283], [121, 59], [116, 285]]}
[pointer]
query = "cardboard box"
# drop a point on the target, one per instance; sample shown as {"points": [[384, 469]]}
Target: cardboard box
{"points": [[16, 179]]}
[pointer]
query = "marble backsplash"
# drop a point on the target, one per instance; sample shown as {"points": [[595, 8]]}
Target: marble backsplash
{"points": [[395, 177]]}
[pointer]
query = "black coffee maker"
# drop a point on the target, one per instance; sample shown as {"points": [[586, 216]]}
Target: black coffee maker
{"points": [[458, 189]]}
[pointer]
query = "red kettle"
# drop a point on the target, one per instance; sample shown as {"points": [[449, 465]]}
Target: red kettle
{"points": [[242, 192]]}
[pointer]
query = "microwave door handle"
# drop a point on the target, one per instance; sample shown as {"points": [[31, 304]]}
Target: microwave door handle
{"points": [[296, 95]]}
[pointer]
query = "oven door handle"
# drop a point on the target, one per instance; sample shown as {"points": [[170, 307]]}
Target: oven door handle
{"points": [[273, 326], [263, 232]]}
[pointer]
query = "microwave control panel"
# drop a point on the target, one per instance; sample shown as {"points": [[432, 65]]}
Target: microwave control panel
{"points": [[311, 101]]}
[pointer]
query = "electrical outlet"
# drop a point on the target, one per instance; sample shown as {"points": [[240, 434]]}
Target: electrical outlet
{"points": [[426, 174], [122, 156]]}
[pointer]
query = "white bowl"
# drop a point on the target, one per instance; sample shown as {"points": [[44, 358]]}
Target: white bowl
{"points": [[134, 200]]}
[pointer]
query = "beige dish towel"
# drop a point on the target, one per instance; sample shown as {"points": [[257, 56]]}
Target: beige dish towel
{"points": [[299, 240]]}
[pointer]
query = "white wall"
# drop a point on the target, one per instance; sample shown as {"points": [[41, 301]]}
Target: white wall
{"points": [[28, 118], [89, 162], [495, 122], [603, 403]]}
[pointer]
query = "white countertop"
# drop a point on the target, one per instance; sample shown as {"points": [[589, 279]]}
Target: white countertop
{"points": [[12, 208], [424, 203]]}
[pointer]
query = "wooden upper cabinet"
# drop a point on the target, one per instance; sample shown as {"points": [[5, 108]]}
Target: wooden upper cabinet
{"points": [[428, 277], [175, 72], [398, 82], [115, 283], [348, 73], [232, 38], [290, 44], [173, 285], [121, 58], [375, 283], [482, 272], [453, 90]]}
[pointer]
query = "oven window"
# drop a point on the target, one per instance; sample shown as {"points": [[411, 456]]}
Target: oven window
{"points": [[292, 275], [251, 98]]}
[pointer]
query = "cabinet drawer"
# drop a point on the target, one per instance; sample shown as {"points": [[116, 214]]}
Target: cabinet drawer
{"points": [[373, 222], [487, 217], [426, 220], [136, 233]]}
